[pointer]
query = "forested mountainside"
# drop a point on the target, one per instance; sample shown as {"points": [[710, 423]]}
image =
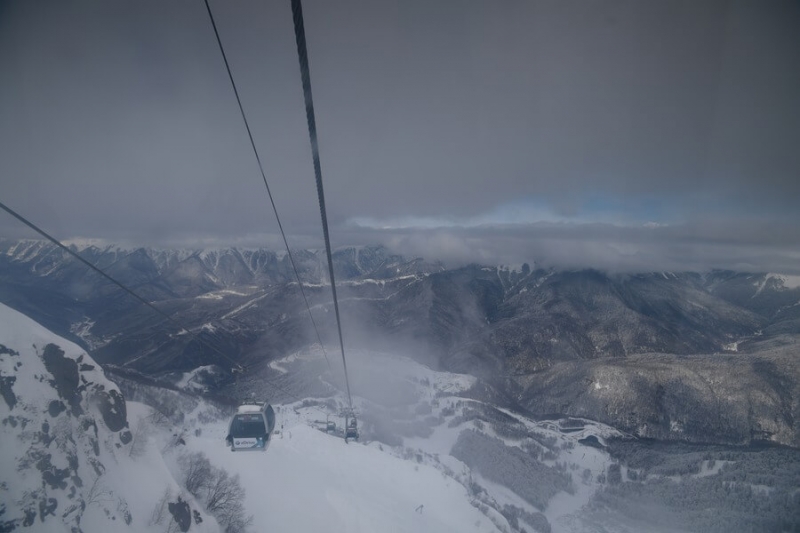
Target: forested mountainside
{"points": [[719, 343]]}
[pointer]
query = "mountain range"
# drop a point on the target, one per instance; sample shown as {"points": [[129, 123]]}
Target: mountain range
{"points": [[701, 357]]}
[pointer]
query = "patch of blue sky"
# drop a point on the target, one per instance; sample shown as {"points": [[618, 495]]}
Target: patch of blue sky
{"points": [[595, 209], [514, 213]]}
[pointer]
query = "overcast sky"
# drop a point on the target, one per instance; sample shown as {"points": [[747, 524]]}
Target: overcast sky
{"points": [[613, 134]]}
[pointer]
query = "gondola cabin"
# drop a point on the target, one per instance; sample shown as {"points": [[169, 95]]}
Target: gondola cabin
{"points": [[352, 430], [251, 427], [350, 425]]}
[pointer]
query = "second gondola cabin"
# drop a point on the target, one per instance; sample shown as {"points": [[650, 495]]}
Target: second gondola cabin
{"points": [[251, 427]]}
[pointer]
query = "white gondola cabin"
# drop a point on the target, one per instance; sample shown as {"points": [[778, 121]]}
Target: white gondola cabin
{"points": [[251, 427]]}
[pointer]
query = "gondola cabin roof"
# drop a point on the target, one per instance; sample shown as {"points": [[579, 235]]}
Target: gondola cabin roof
{"points": [[250, 408]]}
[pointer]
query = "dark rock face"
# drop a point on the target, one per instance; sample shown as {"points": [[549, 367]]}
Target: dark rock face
{"points": [[181, 513], [125, 437], [47, 508], [65, 376], [592, 441], [7, 390], [7, 382], [112, 408], [52, 476], [8, 351], [55, 408]]}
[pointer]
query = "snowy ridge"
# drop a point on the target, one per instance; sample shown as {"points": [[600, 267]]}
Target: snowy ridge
{"points": [[218, 267], [198, 379], [787, 281], [779, 281], [223, 293]]}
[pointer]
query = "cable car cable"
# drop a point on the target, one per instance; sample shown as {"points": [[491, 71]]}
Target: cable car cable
{"points": [[264, 177], [237, 366], [74, 254], [305, 75]]}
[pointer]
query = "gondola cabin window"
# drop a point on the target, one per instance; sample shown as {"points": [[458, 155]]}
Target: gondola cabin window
{"points": [[248, 426]]}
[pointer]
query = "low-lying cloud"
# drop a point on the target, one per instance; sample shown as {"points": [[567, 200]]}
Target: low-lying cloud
{"points": [[740, 245]]}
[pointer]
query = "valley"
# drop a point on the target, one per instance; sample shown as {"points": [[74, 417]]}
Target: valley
{"points": [[652, 354], [527, 399]]}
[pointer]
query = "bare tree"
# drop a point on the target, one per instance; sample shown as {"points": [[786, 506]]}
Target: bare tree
{"points": [[224, 497], [197, 472], [158, 512], [158, 418], [222, 494], [98, 493]]}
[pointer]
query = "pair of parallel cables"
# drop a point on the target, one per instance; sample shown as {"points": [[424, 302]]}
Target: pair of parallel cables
{"points": [[302, 53]]}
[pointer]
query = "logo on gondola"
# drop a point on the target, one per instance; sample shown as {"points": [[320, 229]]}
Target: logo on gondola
{"points": [[258, 442]]}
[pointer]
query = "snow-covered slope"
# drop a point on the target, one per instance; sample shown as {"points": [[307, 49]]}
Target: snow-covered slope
{"points": [[75, 457], [435, 455], [516, 473], [311, 481], [65, 461]]}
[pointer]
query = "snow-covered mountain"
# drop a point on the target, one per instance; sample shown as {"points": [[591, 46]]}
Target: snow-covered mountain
{"points": [[71, 461], [433, 456], [563, 475], [76, 458], [473, 319], [524, 330]]}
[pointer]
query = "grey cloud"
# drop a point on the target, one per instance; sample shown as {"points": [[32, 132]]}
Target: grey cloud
{"points": [[693, 246], [119, 123]]}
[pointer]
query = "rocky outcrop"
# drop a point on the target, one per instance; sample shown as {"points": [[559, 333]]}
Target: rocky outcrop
{"points": [[61, 424]]}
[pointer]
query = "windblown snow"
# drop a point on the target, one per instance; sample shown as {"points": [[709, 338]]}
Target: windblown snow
{"points": [[57, 476], [76, 457]]}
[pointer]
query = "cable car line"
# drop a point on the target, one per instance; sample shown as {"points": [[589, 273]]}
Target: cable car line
{"points": [[238, 367], [305, 75], [264, 178]]}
